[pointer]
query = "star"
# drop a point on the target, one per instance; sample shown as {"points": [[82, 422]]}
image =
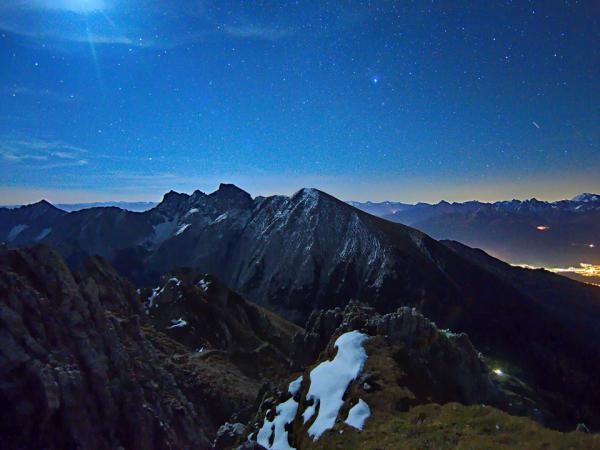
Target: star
{"points": [[375, 79]]}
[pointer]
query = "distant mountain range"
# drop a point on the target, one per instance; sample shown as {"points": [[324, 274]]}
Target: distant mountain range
{"points": [[310, 251], [557, 234], [129, 206]]}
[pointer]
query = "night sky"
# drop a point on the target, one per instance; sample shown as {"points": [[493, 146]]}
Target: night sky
{"points": [[408, 101]]}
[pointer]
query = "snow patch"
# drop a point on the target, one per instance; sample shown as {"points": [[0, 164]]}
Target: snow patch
{"points": [[182, 228], [284, 414], [175, 280], [358, 414], [221, 218], [158, 291], [192, 211], [45, 232], [203, 284], [294, 386], [150, 301], [308, 413], [15, 231], [177, 323], [330, 379]]}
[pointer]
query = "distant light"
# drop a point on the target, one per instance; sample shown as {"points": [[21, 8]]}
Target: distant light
{"points": [[542, 228], [591, 246], [375, 79], [498, 372]]}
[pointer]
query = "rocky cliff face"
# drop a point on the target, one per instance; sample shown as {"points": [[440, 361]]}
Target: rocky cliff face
{"points": [[78, 372], [83, 366]]}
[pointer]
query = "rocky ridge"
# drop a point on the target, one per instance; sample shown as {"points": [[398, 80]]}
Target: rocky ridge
{"points": [[410, 366]]}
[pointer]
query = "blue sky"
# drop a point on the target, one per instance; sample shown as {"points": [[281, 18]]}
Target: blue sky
{"points": [[410, 101]]}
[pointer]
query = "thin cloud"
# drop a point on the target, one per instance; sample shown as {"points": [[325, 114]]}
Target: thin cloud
{"points": [[40, 154], [75, 6], [54, 33], [45, 20]]}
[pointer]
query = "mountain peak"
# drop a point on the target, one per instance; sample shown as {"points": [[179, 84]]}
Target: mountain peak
{"points": [[229, 196], [172, 196], [228, 187], [586, 197], [307, 192], [172, 202], [196, 196], [231, 191], [42, 202], [41, 206]]}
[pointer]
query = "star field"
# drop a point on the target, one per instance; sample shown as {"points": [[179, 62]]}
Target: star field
{"points": [[410, 101]]}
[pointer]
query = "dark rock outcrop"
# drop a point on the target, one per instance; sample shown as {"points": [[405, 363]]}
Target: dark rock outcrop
{"points": [[78, 372], [83, 366]]}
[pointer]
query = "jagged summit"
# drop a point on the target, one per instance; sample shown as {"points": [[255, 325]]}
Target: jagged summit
{"points": [[197, 195], [173, 199], [173, 196]]}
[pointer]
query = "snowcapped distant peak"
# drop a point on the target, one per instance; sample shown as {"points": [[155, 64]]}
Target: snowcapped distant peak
{"points": [[586, 197]]}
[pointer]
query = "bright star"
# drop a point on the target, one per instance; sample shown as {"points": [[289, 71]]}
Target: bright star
{"points": [[375, 79]]}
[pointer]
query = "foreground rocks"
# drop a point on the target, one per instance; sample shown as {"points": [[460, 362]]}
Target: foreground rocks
{"points": [[78, 372], [83, 366], [88, 362]]}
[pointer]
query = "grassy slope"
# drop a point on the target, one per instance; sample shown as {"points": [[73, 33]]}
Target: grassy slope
{"points": [[393, 425], [453, 426]]}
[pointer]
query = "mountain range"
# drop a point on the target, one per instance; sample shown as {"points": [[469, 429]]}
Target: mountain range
{"points": [[558, 234], [294, 255], [129, 206]]}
